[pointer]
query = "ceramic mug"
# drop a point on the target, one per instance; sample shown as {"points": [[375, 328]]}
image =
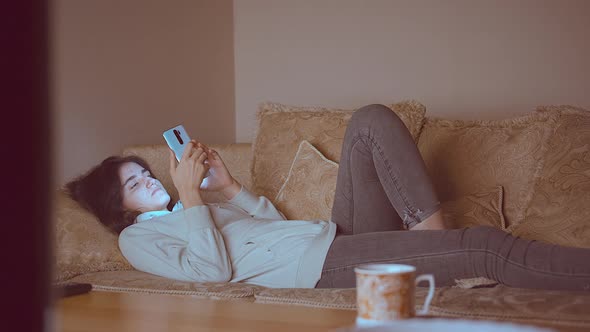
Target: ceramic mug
{"points": [[386, 292]]}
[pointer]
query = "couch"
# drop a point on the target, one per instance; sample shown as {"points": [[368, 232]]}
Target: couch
{"points": [[528, 175]]}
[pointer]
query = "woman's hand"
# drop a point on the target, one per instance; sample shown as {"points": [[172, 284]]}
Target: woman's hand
{"points": [[220, 178], [188, 175]]}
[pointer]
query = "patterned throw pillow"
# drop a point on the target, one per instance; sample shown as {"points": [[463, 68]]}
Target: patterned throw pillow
{"points": [[463, 156], [281, 128], [308, 194], [559, 211]]}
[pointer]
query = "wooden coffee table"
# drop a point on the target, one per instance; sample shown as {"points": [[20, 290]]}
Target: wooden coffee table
{"points": [[106, 311], [112, 312]]}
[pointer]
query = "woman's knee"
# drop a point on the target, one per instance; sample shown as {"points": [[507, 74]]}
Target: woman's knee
{"points": [[376, 116]]}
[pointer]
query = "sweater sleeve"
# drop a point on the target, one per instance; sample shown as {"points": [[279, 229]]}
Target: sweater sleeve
{"points": [[183, 245], [256, 206]]}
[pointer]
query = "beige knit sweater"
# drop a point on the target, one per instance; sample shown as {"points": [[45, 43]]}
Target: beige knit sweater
{"points": [[244, 240]]}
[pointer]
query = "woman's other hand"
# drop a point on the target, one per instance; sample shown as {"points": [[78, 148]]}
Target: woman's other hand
{"points": [[219, 179], [189, 173]]}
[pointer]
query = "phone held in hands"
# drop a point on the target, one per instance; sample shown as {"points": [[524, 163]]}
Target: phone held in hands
{"points": [[177, 139]]}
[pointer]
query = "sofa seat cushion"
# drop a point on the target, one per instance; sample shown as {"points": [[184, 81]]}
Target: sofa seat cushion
{"points": [[137, 281], [335, 298], [560, 308], [281, 128]]}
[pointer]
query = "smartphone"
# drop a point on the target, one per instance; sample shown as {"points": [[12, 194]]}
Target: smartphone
{"points": [[177, 139]]}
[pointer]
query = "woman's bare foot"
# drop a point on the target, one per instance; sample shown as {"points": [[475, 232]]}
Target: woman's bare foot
{"points": [[435, 221]]}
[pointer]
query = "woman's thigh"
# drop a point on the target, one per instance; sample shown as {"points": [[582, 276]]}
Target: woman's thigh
{"points": [[382, 181], [428, 251]]}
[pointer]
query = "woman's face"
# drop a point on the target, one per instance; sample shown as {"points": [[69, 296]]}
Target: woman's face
{"points": [[141, 192]]}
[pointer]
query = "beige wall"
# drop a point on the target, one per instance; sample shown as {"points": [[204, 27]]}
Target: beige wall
{"points": [[124, 71], [461, 58]]}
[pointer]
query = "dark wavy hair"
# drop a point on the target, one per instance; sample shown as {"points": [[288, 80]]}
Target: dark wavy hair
{"points": [[100, 191]]}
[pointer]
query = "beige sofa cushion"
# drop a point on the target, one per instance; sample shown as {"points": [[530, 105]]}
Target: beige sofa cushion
{"points": [[308, 194], [481, 208], [558, 308], [463, 156], [281, 128], [137, 281], [335, 298], [308, 191], [559, 211], [82, 244], [237, 157]]}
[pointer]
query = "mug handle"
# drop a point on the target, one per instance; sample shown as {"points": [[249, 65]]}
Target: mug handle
{"points": [[430, 279]]}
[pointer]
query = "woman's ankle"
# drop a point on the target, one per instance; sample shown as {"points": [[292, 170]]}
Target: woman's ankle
{"points": [[434, 222]]}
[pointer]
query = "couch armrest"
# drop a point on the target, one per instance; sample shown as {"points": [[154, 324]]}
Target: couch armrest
{"points": [[81, 244]]}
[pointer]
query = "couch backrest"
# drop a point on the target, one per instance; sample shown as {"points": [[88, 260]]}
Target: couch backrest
{"points": [[464, 156], [541, 160]]}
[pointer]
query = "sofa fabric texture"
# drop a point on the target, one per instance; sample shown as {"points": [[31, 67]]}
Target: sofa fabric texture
{"points": [[141, 282], [480, 208], [308, 191], [463, 156], [81, 243], [559, 211]]}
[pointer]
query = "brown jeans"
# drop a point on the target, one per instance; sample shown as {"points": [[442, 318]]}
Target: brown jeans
{"points": [[383, 189]]}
